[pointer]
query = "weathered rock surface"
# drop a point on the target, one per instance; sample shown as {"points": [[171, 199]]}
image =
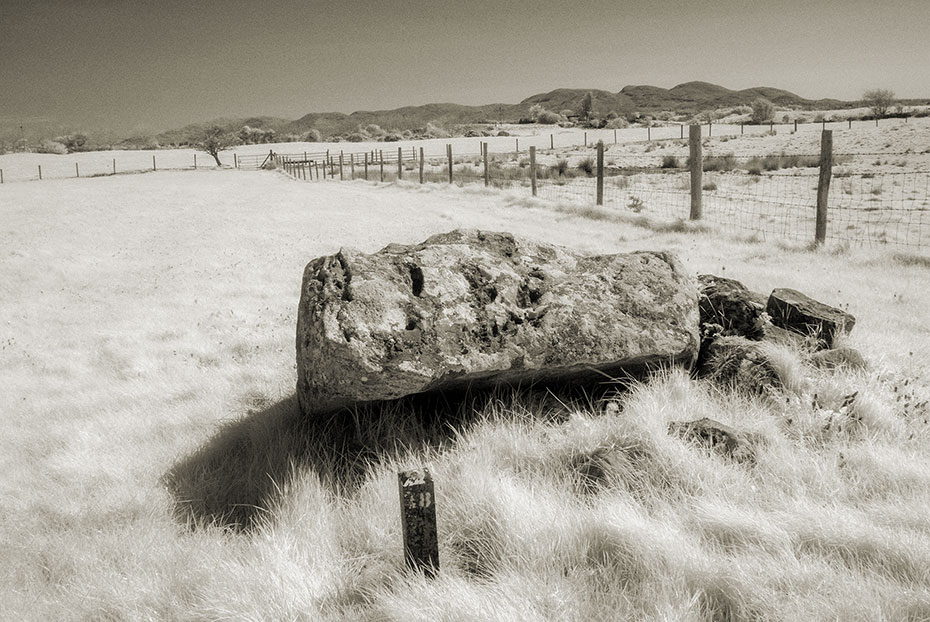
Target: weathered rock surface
{"points": [[838, 358], [792, 310], [471, 308], [730, 305], [719, 438]]}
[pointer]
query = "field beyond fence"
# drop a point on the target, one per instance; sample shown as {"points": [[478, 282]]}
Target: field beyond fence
{"points": [[767, 196]]}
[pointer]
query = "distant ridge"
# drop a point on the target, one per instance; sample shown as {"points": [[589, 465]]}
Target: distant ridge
{"points": [[682, 99]]}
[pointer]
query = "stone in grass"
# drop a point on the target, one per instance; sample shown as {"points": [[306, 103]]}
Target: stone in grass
{"points": [[479, 309], [796, 312], [737, 362], [719, 438], [839, 358], [730, 305]]}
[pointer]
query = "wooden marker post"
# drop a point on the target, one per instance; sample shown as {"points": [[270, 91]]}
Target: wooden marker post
{"points": [[40, 172], [418, 521], [154, 168], [421, 165], [795, 125], [552, 141], [823, 185], [648, 133], [400, 163], [696, 161], [484, 156], [235, 160], [449, 152], [195, 161], [585, 139], [600, 172], [533, 169], [517, 151], [77, 171]]}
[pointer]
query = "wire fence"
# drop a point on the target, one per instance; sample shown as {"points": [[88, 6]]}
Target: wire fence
{"points": [[769, 197]]}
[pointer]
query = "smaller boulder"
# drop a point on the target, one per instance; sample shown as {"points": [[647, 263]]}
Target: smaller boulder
{"points": [[839, 358], [792, 310], [729, 304], [737, 362], [719, 438]]}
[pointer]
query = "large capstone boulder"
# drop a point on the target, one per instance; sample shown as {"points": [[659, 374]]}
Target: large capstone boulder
{"points": [[478, 309], [794, 311]]}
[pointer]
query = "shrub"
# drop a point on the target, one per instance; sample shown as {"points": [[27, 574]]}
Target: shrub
{"points": [[503, 133], [617, 124], [561, 167], [355, 137], [636, 204], [547, 117], [392, 137], [374, 130], [818, 118], [435, 131], [763, 111], [586, 166], [670, 161], [754, 166], [313, 136], [709, 186], [719, 163], [51, 146]]}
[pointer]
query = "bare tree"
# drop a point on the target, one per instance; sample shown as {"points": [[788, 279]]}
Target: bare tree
{"points": [[879, 100], [214, 139]]}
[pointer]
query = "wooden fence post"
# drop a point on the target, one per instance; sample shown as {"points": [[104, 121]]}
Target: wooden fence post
{"points": [[648, 133], [195, 161], [484, 156], [381, 163], [823, 185], [418, 521], [533, 169], [154, 168], [40, 172], [585, 139], [1, 175], [317, 165], [696, 164], [771, 126], [552, 141], [235, 160], [850, 123], [449, 153], [421, 165], [740, 129], [352, 166], [366, 166], [114, 166], [600, 172], [682, 128], [709, 129], [400, 163], [615, 137], [341, 173], [795, 125], [77, 171]]}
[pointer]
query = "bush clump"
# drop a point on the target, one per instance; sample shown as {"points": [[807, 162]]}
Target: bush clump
{"points": [[586, 166], [313, 136], [670, 161]]}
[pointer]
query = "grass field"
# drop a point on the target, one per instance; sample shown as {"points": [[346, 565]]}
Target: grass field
{"points": [[152, 464]]}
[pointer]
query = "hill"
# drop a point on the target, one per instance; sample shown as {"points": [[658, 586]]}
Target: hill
{"points": [[682, 99]]}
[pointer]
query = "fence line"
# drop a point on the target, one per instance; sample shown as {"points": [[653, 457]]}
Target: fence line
{"points": [[875, 209]]}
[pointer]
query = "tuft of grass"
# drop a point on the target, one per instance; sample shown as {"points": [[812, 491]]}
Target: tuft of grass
{"points": [[586, 166]]}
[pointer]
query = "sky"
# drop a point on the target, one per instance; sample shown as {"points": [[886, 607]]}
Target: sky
{"points": [[151, 65]]}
